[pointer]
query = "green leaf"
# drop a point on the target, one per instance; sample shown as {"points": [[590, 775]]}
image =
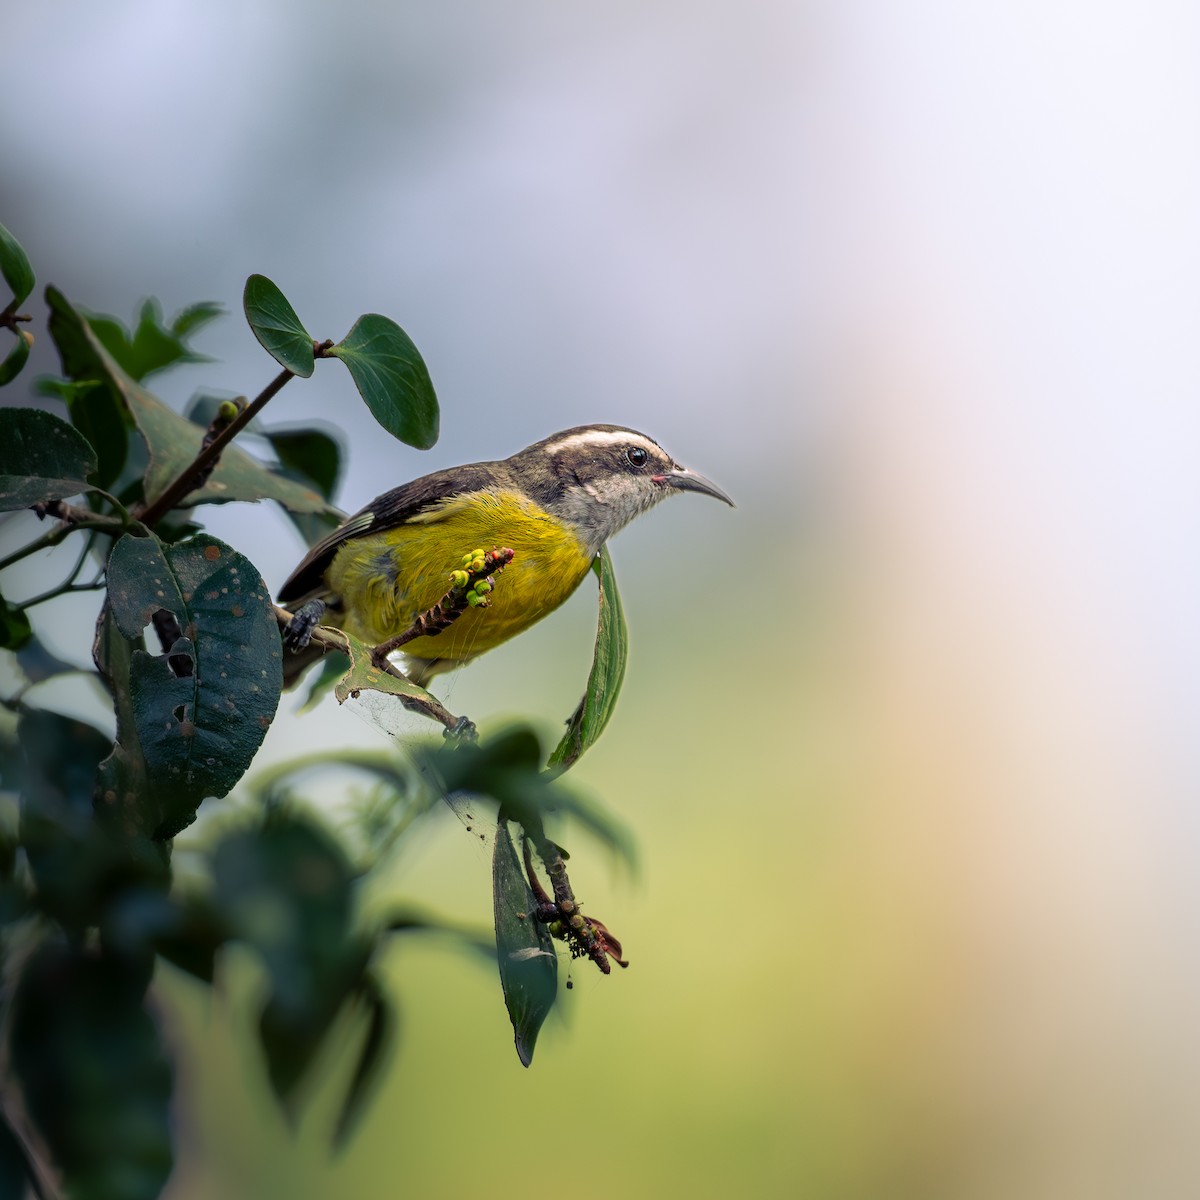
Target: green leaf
{"points": [[17, 357], [274, 322], [371, 1058], [202, 709], [392, 378], [106, 423], [70, 857], [313, 457], [171, 439], [507, 768], [286, 888], [41, 458], [94, 1075], [15, 630], [152, 346], [524, 949], [38, 664], [14, 266], [611, 653], [188, 320], [309, 454], [364, 675]]}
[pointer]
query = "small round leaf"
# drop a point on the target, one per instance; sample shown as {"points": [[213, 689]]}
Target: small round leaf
{"points": [[392, 378], [274, 322]]}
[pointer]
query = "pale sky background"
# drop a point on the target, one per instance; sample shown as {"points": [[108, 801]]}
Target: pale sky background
{"points": [[917, 284]]}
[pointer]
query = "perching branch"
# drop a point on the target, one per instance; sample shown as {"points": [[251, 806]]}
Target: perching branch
{"points": [[469, 589], [329, 638]]}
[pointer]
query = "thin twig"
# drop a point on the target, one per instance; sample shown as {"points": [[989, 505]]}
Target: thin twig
{"points": [[73, 517], [185, 481], [329, 638]]}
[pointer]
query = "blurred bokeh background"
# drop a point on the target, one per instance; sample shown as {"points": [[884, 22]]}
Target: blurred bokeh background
{"points": [[908, 738]]}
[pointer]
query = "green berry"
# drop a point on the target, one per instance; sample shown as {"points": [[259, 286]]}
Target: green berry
{"points": [[459, 579]]}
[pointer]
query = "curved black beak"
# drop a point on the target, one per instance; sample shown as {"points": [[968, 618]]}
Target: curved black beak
{"points": [[689, 481]]}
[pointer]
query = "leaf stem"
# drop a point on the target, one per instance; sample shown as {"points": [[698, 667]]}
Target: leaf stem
{"points": [[184, 482], [72, 518]]}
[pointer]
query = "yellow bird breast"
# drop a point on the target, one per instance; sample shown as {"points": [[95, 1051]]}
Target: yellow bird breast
{"points": [[386, 579]]}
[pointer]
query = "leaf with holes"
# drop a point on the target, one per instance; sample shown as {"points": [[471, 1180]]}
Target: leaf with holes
{"points": [[278, 329], [611, 653], [41, 458], [202, 708], [524, 948], [392, 378]]}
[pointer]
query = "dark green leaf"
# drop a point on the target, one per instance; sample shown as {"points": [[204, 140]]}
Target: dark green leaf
{"points": [[14, 266], [186, 931], [16, 1171], [95, 1078], [106, 423], [524, 948], [191, 942], [312, 455], [68, 855], [392, 378], [41, 458], [587, 722], [15, 630], [286, 888], [371, 1058], [279, 331], [38, 664], [172, 440], [152, 346], [202, 709], [506, 767], [17, 357]]}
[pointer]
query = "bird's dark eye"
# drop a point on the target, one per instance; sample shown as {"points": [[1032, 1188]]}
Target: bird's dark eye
{"points": [[636, 456]]}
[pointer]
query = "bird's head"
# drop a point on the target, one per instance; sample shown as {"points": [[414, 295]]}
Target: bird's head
{"points": [[599, 477]]}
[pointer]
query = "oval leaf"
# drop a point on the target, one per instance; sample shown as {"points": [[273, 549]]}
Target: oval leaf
{"points": [[392, 378], [587, 722], [41, 458], [274, 322], [18, 356], [14, 266], [524, 948], [202, 709]]}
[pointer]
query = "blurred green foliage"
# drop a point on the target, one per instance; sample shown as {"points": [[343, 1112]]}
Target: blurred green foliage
{"points": [[187, 646]]}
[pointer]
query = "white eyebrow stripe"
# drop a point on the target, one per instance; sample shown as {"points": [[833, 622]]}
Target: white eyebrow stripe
{"points": [[603, 437]]}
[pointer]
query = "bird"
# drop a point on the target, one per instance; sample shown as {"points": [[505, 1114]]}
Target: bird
{"points": [[554, 503]]}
